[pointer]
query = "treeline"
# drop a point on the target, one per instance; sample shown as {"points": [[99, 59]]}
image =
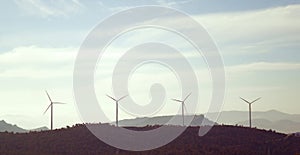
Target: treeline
{"points": [[227, 140]]}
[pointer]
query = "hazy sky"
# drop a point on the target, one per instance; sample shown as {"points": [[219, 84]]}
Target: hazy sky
{"points": [[39, 41]]}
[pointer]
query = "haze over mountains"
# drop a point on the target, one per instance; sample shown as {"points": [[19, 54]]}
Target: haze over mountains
{"points": [[271, 119], [161, 120], [275, 120], [4, 126]]}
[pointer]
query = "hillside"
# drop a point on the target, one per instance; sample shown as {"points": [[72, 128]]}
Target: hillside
{"points": [[78, 140]]}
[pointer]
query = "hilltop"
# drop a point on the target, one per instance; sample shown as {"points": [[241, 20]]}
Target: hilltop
{"points": [[78, 140]]}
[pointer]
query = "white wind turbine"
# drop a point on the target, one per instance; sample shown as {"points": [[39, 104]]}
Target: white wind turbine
{"points": [[250, 103], [117, 107], [182, 103], [51, 105]]}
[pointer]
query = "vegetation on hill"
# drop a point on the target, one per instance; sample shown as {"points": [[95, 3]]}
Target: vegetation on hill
{"points": [[77, 140]]}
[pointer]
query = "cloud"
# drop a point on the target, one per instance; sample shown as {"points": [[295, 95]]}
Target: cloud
{"points": [[254, 31], [173, 3], [263, 66], [43, 8], [25, 72], [107, 6], [33, 68], [37, 62], [237, 33]]}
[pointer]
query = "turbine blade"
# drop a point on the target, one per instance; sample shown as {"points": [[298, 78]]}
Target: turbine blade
{"points": [[59, 103], [48, 96], [47, 108], [177, 100], [187, 96], [111, 97], [245, 100], [122, 98], [255, 100]]}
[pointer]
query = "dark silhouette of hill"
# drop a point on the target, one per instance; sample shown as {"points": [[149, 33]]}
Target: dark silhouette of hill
{"points": [[227, 140], [14, 128], [163, 120]]}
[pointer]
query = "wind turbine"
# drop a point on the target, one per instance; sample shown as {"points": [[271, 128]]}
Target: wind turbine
{"points": [[117, 105], [182, 103], [250, 103], [51, 106]]}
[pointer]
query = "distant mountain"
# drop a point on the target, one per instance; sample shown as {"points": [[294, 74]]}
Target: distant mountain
{"points": [[271, 119], [9, 127], [14, 128], [163, 120], [39, 129], [286, 126]]}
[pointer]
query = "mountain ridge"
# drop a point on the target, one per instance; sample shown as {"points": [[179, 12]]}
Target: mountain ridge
{"points": [[271, 119], [164, 120], [276, 120], [7, 127]]}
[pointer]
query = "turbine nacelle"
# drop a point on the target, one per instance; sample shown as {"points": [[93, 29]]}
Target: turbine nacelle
{"points": [[117, 101], [183, 105], [51, 105], [250, 102], [182, 101]]}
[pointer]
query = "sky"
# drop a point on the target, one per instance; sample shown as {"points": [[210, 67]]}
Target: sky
{"points": [[39, 41]]}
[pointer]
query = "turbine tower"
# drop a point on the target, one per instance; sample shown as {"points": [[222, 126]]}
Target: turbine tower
{"points": [[51, 107], [117, 107], [182, 103], [250, 103]]}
